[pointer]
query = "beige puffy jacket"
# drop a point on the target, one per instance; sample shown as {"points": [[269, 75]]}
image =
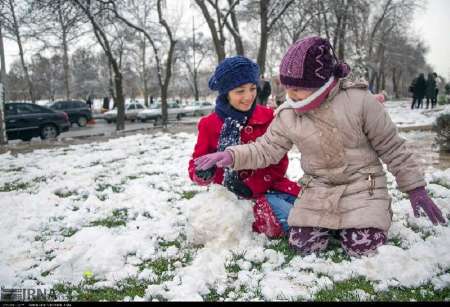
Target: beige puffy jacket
{"points": [[341, 144]]}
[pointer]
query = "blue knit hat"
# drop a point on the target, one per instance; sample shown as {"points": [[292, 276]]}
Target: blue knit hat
{"points": [[233, 72]]}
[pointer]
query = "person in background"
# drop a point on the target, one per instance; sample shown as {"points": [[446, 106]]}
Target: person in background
{"points": [[343, 134], [430, 90], [436, 92], [238, 119], [418, 88], [105, 106], [263, 91]]}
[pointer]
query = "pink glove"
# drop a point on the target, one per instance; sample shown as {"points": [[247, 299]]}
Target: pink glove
{"points": [[219, 159], [420, 200]]}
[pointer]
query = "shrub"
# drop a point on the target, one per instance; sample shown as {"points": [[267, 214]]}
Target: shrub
{"points": [[442, 129], [442, 99]]}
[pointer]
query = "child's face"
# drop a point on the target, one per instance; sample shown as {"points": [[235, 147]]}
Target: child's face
{"points": [[297, 93], [242, 97]]}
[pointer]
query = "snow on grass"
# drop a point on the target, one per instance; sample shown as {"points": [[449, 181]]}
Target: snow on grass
{"points": [[402, 115], [122, 221]]}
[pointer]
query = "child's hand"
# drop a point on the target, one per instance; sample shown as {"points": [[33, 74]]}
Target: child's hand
{"points": [[219, 159], [420, 200]]}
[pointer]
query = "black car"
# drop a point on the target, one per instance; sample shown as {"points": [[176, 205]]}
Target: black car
{"points": [[26, 120], [78, 111]]}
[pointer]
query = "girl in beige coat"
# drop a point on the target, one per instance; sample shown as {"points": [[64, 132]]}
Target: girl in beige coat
{"points": [[343, 134]]}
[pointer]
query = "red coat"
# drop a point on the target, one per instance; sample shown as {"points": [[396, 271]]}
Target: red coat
{"points": [[259, 181]]}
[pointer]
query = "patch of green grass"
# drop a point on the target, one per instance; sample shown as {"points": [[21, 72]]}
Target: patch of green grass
{"points": [[282, 246], [65, 193], [15, 169], [396, 241], [118, 218], [344, 291], [82, 292], [46, 273], [213, 296], [162, 267], [150, 173], [103, 186], [15, 186], [131, 177], [40, 179], [94, 163], [334, 251], [188, 194], [167, 244], [231, 265], [68, 232]]}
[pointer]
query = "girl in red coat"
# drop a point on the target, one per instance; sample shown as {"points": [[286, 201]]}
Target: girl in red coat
{"points": [[239, 120]]}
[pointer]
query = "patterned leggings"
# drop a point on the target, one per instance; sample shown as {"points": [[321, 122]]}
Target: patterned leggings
{"points": [[355, 242]]}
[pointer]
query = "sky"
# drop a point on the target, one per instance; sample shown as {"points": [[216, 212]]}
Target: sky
{"points": [[433, 24], [430, 23]]}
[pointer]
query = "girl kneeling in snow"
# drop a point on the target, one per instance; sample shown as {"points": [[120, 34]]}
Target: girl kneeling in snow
{"points": [[342, 133], [239, 120]]}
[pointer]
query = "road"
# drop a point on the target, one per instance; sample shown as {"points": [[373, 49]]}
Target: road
{"points": [[98, 132]]}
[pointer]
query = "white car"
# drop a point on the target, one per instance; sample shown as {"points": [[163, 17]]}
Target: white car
{"points": [[199, 108], [131, 111], [174, 111]]}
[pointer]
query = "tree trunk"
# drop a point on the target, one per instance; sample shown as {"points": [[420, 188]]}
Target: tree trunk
{"points": [[65, 55], [111, 86], [2, 63], [261, 59], [394, 82], [3, 137], [144, 73], [219, 42], [66, 67], [196, 91], [120, 124]]}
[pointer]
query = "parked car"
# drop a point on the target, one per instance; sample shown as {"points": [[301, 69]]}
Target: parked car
{"points": [[174, 111], [26, 120], [131, 111], [199, 108], [78, 111]]}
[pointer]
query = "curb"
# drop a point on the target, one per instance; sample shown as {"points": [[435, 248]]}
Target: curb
{"points": [[124, 132]]}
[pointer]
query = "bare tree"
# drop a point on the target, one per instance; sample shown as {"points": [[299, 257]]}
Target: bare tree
{"points": [[218, 23], [270, 11], [192, 54], [13, 23], [95, 10], [66, 28], [162, 80]]}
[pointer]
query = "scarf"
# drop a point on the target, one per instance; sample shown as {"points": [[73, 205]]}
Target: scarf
{"points": [[314, 100], [230, 133]]}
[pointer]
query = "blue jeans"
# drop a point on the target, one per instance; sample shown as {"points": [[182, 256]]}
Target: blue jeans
{"points": [[281, 204]]}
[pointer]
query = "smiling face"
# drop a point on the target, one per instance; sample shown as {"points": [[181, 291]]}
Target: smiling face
{"points": [[298, 94], [242, 97]]}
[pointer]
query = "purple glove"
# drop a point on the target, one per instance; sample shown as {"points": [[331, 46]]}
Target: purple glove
{"points": [[419, 200], [219, 159]]}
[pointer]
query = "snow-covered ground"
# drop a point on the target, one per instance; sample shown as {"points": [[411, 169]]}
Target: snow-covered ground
{"points": [[401, 113], [126, 209]]}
